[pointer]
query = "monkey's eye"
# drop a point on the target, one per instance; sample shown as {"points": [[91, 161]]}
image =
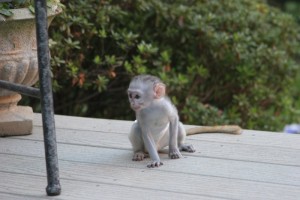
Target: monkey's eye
{"points": [[130, 96], [137, 96]]}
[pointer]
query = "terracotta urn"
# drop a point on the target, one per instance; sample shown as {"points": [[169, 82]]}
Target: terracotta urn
{"points": [[18, 64]]}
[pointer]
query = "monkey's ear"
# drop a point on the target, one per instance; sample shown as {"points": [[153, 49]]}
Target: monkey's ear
{"points": [[159, 90]]}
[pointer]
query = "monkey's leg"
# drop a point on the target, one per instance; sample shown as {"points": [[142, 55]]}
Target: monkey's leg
{"points": [[181, 138], [137, 142]]}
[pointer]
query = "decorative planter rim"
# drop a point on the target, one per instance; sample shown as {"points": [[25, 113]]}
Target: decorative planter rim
{"points": [[25, 13]]}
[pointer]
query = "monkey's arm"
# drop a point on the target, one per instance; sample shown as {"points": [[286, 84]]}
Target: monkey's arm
{"points": [[151, 148], [231, 129], [174, 152]]}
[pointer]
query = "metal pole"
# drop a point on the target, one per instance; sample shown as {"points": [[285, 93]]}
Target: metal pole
{"points": [[53, 187], [29, 91]]}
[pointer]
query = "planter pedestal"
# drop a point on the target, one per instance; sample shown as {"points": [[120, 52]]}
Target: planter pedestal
{"points": [[14, 119], [16, 122]]}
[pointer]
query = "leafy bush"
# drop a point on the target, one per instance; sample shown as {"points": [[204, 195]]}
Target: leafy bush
{"points": [[7, 6], [290, 6], [223, 61]]}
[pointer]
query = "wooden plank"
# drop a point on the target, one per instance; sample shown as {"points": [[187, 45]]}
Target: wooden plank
{"points": [[82, 137], [33, 186], [211, 149], [156, 180], [250, 137], [99, 154], [232, 169], [6, 196], [289, 141], [84, 123]]}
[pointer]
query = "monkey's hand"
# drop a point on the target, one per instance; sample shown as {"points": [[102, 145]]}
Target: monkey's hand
{"points": [[154, 164], [174, 153]]}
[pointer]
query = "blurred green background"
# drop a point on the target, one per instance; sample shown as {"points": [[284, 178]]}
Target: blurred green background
{"points": [[224, 62]]}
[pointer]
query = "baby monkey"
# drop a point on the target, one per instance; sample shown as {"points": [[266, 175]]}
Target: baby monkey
{"points": [[157, 123]]}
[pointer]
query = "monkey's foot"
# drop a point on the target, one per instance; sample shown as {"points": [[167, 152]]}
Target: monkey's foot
{"points": [[187, 147], [174, 153], [154, 164], [139, 156]]}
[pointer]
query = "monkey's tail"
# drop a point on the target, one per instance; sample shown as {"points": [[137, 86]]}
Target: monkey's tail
{"points": [[231, 129]]}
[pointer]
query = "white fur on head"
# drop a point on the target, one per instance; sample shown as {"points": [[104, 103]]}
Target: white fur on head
{"points": [[159, 88]]}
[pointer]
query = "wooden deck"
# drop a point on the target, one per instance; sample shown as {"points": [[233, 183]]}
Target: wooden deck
{"points": [[95, 163]]}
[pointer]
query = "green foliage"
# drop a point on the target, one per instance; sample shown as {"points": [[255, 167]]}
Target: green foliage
{"points": [[293, 7], [223, 61], [5, 8], [289, 6]]}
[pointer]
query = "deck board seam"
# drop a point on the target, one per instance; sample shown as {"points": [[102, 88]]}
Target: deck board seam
{"points": [[87, 130], [122, 185], [241, 160], [27, 195], [188, 139], [236, 143], [183, 153], [158, 170]]}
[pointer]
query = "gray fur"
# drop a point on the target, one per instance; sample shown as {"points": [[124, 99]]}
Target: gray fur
{"points": [[157, 125]]}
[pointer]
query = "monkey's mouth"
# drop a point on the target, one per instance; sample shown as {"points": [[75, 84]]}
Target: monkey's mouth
{"points": [[136, 108]]}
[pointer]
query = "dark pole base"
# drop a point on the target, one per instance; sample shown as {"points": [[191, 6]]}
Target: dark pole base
{"points": [[53, 190]]}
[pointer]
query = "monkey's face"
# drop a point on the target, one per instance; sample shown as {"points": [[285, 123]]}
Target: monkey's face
{"points": [[140, 95], [136, 100]]}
